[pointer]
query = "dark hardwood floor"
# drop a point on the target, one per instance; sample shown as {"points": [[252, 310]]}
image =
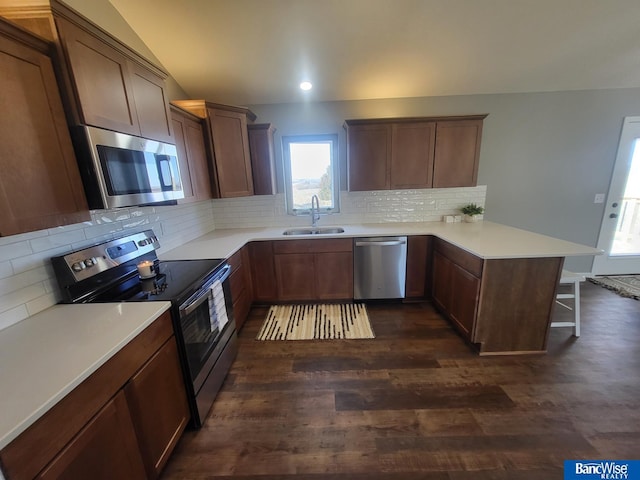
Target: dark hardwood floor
{"points": [[417, 403]]}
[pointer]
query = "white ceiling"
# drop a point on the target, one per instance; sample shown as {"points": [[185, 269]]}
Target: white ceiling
{"points": [[249, 52]]}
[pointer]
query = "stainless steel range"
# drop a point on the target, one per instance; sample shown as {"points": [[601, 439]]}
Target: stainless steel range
{"points": [[128, 270]]}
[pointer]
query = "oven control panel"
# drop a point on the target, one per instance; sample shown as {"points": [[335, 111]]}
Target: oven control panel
{"points": [[85, 263]]}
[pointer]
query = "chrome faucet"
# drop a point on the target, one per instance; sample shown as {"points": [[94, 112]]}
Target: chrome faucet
{"points": [[315, 211]]}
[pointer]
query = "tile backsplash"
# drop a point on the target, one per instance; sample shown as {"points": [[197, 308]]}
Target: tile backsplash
{"points": [[28, 285], [421, 205], [27, 282]]}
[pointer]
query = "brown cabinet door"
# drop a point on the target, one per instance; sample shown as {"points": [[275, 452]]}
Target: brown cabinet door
{"points": [[231, 151], [412, 155], [40, 185], [105, 449], [157, 399], [442, 284], [334, 276], [417, 265], [102, 80], [262, 151], [368, 156], [262, 271], [464, 305], [192, 157], [152, 104], [183, 159], [241, 290], [295, 276], [456, 153]]}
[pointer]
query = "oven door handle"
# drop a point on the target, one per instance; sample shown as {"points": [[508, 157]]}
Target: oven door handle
{"points": [[204, 294], [189, 309]]}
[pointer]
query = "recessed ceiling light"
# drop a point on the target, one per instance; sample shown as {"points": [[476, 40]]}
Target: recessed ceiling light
{"points": [[306, 86]]}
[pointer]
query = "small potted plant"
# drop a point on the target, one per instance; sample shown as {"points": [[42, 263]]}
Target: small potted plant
{"points": [[472, 212]]}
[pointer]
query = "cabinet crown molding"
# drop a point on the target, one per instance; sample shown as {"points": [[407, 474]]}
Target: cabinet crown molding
{"points": [[374, 121]]}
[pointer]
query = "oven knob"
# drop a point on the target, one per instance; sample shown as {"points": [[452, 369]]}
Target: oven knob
{"points": [[78, 266], [90, 262], [142, 243]]}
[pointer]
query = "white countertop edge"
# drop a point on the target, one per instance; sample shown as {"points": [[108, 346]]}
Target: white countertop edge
{"points": [[28, 420], [484, 239]]}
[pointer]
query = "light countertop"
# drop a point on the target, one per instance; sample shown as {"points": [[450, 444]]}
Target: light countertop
{"points": [[47, 355], [484, 239]]}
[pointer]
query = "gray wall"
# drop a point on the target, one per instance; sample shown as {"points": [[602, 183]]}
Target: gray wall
{"points": [[544, 155]]}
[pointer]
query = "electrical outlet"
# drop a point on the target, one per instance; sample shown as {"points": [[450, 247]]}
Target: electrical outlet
{"points": [[599, 198]]}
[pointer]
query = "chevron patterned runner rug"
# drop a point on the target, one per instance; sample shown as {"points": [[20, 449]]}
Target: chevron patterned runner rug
{"points": [[316, 322]]}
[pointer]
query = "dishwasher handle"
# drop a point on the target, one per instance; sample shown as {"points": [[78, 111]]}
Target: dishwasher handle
{"points": [[387, 243]]}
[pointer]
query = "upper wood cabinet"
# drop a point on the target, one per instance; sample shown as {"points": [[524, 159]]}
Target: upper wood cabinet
{"points": [[457, 152], [192, 156], [263, 160], [40, 185], [228, 144], [104, 83], [401, 153]]}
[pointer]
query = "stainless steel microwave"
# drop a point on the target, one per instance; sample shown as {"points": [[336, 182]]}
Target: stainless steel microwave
{"points": [[120, 170]]}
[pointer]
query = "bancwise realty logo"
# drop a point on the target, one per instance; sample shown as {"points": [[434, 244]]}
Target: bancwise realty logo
{"points": [[602, 469]]}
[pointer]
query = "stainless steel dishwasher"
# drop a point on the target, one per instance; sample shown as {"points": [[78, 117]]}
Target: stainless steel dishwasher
{"points": [[379, 267]]}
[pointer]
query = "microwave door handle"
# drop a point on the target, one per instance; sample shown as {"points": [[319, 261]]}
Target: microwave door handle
{"points": [[164, 172]]}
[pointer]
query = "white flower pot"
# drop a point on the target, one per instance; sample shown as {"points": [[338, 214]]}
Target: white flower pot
{"points": [[472, 218]]}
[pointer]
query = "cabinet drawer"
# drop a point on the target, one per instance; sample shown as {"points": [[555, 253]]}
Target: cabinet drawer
{"points": [[313, 246], [235, 261], [460, 257]]}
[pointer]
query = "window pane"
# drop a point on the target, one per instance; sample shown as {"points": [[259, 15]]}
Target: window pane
{"points": [[311, 174], [309, 171]]}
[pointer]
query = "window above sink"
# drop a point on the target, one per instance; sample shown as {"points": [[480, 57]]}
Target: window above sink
{"points": [[311, 168]]}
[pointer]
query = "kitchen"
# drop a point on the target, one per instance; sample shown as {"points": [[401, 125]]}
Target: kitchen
{"points": [[506, 167]]}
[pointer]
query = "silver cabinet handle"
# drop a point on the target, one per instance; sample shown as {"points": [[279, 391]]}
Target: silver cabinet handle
{"points": [[389, 243]]}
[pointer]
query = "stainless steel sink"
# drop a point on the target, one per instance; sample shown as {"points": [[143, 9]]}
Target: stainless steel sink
{"points": [[314, 231]]}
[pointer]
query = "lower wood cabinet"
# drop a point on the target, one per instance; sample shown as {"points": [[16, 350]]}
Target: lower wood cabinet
{"points": [[262, 271], [123, 421], [418, 267], [314, 269], [455, 291], [241, 288], [500, 305], [302, 270], [105, 449], [158, 406]]}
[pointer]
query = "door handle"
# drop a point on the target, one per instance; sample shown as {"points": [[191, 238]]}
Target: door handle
{"points": [[390, 243]]}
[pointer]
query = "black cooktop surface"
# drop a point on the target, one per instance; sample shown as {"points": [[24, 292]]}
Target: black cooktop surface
{"points": [[176, 280]]}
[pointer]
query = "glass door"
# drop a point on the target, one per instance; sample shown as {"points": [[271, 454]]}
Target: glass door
{"points": [[620, 230]]}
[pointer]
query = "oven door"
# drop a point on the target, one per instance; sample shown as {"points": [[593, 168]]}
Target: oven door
{"points": [[204, 318]]}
